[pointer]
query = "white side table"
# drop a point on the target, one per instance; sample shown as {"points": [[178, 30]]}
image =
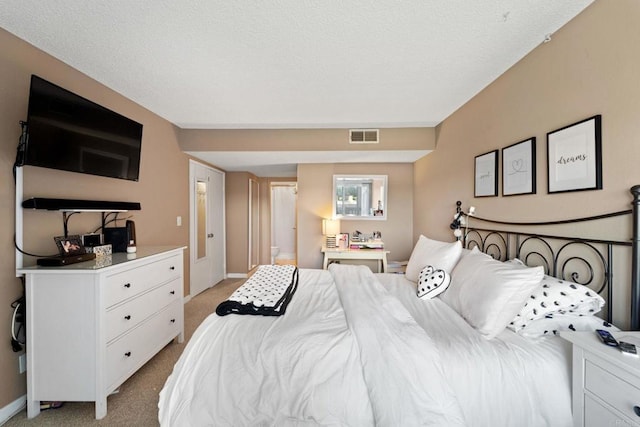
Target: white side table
{"points": [[606, 383], [358, 254]]}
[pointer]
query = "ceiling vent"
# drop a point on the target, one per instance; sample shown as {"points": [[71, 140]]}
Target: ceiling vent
{"points": [[363, 136]]}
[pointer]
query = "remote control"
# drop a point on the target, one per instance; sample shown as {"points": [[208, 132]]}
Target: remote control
{"points": [[628, 349], [607, 338]]}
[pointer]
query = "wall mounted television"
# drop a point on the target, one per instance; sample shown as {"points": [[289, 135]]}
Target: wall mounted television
{"points": [[68, 132]]}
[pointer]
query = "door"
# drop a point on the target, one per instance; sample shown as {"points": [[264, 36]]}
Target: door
{"points": [[207, 231], [283, 222]]}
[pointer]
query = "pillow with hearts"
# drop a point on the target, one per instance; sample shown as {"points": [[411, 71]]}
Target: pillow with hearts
{"points": [[432, 282]]}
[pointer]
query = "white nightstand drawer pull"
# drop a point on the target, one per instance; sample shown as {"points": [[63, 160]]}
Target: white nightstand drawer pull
{"points": [[636, 409]]}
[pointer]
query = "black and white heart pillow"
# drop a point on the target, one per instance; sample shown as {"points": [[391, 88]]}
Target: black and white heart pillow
{"points": [[432, 282]]}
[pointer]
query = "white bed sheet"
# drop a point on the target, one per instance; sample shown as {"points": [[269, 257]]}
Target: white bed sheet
{"points": [[507, 381], [301, 368], [304, 368]]}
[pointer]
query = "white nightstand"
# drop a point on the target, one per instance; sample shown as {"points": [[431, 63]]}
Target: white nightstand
{"points": [[606, 383]]}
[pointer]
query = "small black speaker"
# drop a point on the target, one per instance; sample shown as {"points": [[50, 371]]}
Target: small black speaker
{"points": [[131, 232], [117, 237]]}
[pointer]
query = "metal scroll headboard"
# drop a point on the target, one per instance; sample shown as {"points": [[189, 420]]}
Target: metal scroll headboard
{"points": [[585, 261]]}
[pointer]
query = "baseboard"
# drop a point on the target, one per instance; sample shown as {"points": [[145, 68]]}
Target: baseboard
{"points": [[186, 299], [12, 409], [237, 276]]}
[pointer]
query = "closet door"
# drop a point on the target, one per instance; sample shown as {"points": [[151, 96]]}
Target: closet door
{"points": [[206, 227]]}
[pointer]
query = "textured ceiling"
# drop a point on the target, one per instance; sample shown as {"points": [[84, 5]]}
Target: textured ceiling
{"points": [[291, 63]]}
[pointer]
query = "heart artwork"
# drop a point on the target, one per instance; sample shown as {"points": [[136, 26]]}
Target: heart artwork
{"points": [[517, 165], [432, 282]]}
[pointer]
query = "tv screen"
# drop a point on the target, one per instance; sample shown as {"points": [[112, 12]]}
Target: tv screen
{"points": [[68, 132]]}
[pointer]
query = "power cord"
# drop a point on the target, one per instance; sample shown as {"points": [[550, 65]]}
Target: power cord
{"points": [[22, 148], [15, 244], [18, 318]]}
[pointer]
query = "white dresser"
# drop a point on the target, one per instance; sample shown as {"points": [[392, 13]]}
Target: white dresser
{"points": [[606, 383], [91, 325]]}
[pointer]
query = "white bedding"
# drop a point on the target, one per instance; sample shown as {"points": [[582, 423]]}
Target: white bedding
{"points": [[393, 359]]}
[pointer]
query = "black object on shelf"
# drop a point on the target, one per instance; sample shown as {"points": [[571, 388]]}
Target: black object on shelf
{"points": [[79, 205], [58, 261]]}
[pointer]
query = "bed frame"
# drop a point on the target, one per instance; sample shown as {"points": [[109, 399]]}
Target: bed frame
{"points": [[581, 260]]}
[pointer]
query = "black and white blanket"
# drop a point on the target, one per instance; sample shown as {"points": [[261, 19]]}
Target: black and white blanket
{"points": [[267, 292]]}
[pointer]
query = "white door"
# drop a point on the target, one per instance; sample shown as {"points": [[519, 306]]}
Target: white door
{"points": [[207, 229]]}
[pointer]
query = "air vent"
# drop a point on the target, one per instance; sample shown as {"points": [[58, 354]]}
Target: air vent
{"points": [[363, 136]]}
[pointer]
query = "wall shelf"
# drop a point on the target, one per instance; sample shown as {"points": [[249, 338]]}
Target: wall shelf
{"points": [[76, 206], [73, 205]]}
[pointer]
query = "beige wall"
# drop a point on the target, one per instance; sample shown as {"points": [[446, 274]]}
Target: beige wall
{"points": [[237, 215], [301, 140], [162, 189], [590, 66], [315, 196]]}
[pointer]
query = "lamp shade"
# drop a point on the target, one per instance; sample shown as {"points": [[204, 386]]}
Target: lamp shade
{"points": [[330, 227]]}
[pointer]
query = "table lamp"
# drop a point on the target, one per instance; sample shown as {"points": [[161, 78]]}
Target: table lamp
{"points": [[330, 227]]}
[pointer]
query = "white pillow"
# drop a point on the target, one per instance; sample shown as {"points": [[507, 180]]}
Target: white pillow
{"points": [[440, 255], [564, 322], [432, 282], [489, 293], [555, 296]]}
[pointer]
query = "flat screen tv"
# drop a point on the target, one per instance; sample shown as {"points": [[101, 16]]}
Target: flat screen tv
{"points": [[68, 132]]}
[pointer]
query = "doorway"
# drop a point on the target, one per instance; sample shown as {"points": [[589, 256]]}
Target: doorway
{"points": [[206, 227], [283, 222]]}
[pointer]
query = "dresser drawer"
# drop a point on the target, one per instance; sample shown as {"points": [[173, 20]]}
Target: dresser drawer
{"points": [[123, 317], [127, 284], [126, 354], [617, 392]]}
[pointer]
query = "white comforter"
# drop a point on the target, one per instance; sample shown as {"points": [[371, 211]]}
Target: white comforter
{"points": [[363, 350]]}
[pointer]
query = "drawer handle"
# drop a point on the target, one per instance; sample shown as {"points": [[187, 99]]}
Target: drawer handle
{"points": [[172, 292], [128, 317], [127, 285], [174, 321], [172, 268], [636, 409], [128, 354]]}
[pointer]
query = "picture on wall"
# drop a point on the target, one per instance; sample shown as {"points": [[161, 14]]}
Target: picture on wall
{"points": [[574, 156], [519, 168], [486, 174]]}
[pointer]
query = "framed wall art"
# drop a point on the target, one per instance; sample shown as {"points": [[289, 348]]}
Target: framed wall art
{"points": [[574, 157], [486, 174], [519, 168]]}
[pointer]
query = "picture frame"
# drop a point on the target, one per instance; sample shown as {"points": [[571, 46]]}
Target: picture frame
{"points": [[519, 168], [342, 241], [486, 174], [69, 245], [574, 157]]}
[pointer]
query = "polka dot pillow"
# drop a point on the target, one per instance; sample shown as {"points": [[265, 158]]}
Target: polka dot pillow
{"points": [[555, 296], [553, 324], [432, 282]]}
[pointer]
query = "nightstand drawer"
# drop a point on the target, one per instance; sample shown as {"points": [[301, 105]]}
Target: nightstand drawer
{"points": [[617, 392], [596, 415]]}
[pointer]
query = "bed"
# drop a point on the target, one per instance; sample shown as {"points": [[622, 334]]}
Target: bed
{"points": [[355, 348]]}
